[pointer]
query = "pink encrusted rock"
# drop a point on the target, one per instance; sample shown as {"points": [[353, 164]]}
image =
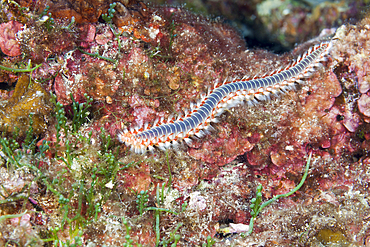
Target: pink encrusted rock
{"points": [[351, 121], [223, 149], [143, 115], [255, 159], [136, 179], [364, 105], [104, 36], [324, 94], [137, 56], [363, 75], [331, 119], [87, 34], [61, 90], [24, 221], [188, 177], [197, 201], [341, 143], [8, 40], [96, 79], [325, 143], [281, 158]]}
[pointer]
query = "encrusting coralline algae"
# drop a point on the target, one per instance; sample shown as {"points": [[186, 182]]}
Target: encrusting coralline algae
{"points": [[150, 63]]}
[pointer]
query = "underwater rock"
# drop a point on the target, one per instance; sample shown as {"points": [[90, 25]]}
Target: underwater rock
{"points": [[364, 105], [156, 69], [8, 41]]}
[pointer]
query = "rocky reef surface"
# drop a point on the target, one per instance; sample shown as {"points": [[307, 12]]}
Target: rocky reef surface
{"points": [[74, 74]]}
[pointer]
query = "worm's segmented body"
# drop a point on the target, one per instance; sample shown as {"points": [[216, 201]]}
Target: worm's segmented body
{"points": [[221, 98]]}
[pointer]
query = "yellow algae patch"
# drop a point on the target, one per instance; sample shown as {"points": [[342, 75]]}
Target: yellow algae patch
{"points": [[28, 98]]}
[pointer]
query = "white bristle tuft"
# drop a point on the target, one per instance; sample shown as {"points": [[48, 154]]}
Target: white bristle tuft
{"points": [[260, 97], [188, 141]]}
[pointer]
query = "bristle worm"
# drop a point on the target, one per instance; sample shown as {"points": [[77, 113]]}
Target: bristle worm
{"points": [[223, 97]]}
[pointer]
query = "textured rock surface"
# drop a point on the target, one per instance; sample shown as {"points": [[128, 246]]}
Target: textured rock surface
{"points": [[155, 65], [8, 39]]}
